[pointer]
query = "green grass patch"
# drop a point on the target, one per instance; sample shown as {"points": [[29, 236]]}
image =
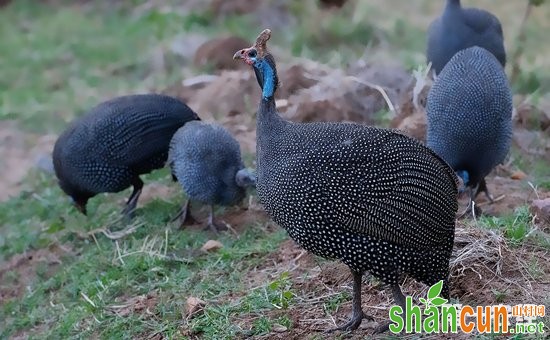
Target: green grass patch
{"points": [[58, 61], [80, 290], [517, 227], [82, 295]]}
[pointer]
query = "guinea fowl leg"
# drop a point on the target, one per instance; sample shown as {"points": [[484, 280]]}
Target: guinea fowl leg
{"points": [[482, 187], [128, 211], [184, 215], [214, 225], [399, 299], [357, 312], [472, 208]]}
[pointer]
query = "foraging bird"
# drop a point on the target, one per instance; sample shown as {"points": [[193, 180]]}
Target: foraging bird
{"points": [[373, 198], [206, 161], [459, 28], [469, 111], [114, 143]]}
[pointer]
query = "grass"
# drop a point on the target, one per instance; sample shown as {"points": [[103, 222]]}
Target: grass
{"points": [[77, 296], [515, 226], [57, 61], [60, 60]]}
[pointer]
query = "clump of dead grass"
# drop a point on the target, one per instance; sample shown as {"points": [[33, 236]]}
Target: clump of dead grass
{"points": [[475, 248]]}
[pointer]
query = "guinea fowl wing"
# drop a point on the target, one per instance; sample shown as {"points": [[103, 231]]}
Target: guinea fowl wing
{"points": [[367, 185], [382, 197], [146, 137]]}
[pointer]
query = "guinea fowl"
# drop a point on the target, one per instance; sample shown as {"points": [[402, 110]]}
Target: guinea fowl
{"points": [[114, 143], [459, 28], [373, 198], [469, 111], [206, 161]]}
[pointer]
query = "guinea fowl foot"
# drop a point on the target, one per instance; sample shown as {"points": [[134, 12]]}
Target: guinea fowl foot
{"points": [[482, 187], [382, 328], [351, 325], [357, 312], [472, 208], [131, 205], [184, 216], [215, 226], [130, 208], [129, 212], [399, 299]]}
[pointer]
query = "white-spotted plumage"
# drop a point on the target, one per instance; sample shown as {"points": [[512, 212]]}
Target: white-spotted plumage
{"points": [[375, 199]]}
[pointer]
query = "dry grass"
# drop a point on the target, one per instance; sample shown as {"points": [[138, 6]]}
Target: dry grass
{"points": [[483, 264]]}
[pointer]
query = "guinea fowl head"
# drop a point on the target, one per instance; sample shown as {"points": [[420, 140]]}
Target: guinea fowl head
{"points": [[78, 198], [245, 178], [263, 63]]}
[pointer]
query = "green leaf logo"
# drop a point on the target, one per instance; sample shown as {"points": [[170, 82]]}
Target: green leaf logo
{"points": [[438, 301], [433, 296], [435, 290]]}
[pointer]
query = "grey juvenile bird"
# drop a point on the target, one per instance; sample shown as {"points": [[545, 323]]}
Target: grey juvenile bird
{"points": [[206, 161], [469, 110], [375, 199], [107, 149], [459, 28]]}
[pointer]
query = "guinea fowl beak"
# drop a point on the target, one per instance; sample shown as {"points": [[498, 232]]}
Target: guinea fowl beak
{"points": [[240, 54], [243, 54]]}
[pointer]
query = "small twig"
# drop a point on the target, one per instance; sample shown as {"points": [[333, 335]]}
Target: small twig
{"points": [[113, 235], [165, 241], [302, 253], [498, 199], [119, 254], [420, 77], [88, 299], [378, 88], [534, 189], [158, 255], [96, 242], [122, 233]]}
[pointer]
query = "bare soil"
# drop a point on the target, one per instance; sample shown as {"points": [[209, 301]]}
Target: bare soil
{"points": [[20, 271], [19, 152]]}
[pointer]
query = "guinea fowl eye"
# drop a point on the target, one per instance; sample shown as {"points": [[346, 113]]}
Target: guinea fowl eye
{"points": [[252, 53]]}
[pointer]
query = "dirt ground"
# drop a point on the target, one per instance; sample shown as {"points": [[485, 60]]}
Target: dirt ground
{"points": [[20, 152]]}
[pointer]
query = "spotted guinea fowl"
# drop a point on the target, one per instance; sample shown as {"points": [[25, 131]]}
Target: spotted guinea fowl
{"points": [[469, 111], [375, 199], [107, 149], [459, 28], [206, 161]]}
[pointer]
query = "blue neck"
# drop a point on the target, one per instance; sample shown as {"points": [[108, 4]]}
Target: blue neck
{"points": [[268, 76], [465, 176]]}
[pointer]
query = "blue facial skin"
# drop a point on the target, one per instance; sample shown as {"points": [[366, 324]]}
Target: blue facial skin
{"points": [[463, 174]]}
